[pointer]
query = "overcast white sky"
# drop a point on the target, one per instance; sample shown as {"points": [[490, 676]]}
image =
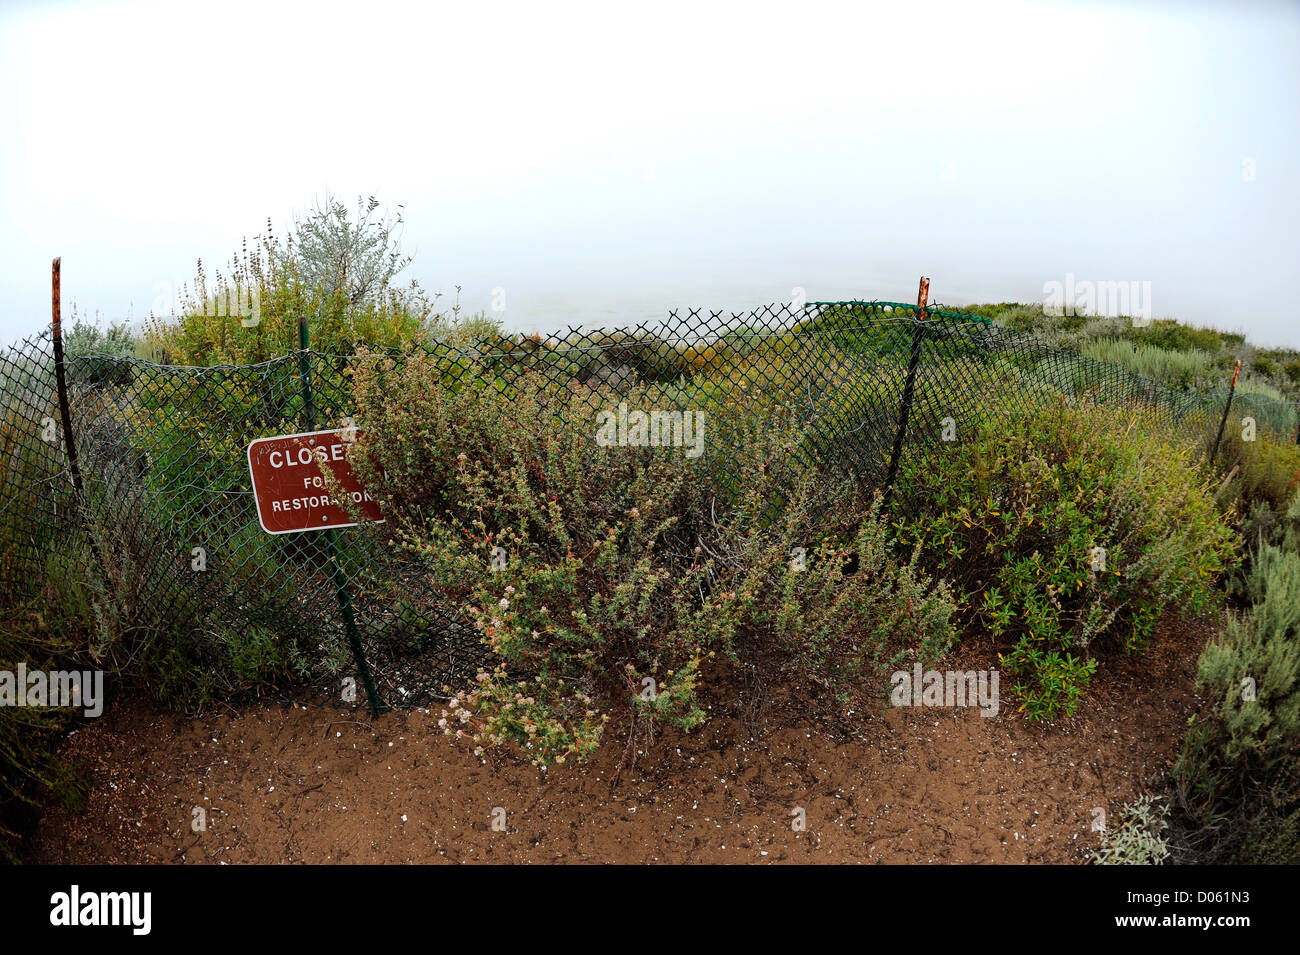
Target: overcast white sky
{"points": [[607, 161]]}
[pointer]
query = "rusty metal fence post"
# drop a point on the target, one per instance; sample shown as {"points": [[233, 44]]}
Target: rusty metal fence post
{"points": [[65, 411], [1232, 390], [60, 373], [909, 386]]}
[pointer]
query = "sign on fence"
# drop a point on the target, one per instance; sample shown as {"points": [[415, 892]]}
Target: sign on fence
{"points": [[291, 486]]}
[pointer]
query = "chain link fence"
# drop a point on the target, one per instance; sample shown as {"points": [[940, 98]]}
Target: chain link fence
{"points": [[165, 538]]}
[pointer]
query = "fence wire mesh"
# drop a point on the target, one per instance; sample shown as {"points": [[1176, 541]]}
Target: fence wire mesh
{"points": [[168, 500]]}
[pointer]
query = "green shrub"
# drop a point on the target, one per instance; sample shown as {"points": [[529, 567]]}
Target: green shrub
{"points": [[123, 603], [1050, 682], [1237, 777], [1169, 334], [1175, 369], [257, 657], [1012, 515], [1258, 472], [337, 270], [465, 330], [41, 632], [410, 629], [649, 357], [1265, 366], [1140, 839], [175, 675], [90, 351], [1255, 666], [30, 769], [1248, 386], [1012, 316], [623, 571]]}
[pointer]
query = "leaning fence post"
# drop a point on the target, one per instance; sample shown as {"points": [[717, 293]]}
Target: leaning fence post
{"points": [[341, 593], [1226, 408], [60, 375], [909, 387], [61, 386]]}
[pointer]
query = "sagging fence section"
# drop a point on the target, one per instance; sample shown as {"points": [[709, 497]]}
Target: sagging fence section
{"points": [[164, 533]]}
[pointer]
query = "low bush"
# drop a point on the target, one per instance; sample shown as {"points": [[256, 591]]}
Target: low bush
{"points": [[1261, 388], [1175, 369], [30, 769], [1140, 838], [1172, 335], [1256, 664], [43, 625], [87, 347], [257, 657], [604, 580], [1062, 529], [1257, 473], [1237, 777], [1012, 316], [122, 608]]}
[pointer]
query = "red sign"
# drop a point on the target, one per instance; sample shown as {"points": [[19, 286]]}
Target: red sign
{"points": [[291, 487]]}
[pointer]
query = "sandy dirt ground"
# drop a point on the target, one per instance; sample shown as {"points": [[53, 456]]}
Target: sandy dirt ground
{"points": [[281, 783]]}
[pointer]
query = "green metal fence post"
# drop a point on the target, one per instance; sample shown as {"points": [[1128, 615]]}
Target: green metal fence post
{"points": [[341, 593], [909, 386]]}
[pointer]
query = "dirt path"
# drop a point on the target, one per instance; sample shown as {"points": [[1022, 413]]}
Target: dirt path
{"points": [[312, 784]]}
